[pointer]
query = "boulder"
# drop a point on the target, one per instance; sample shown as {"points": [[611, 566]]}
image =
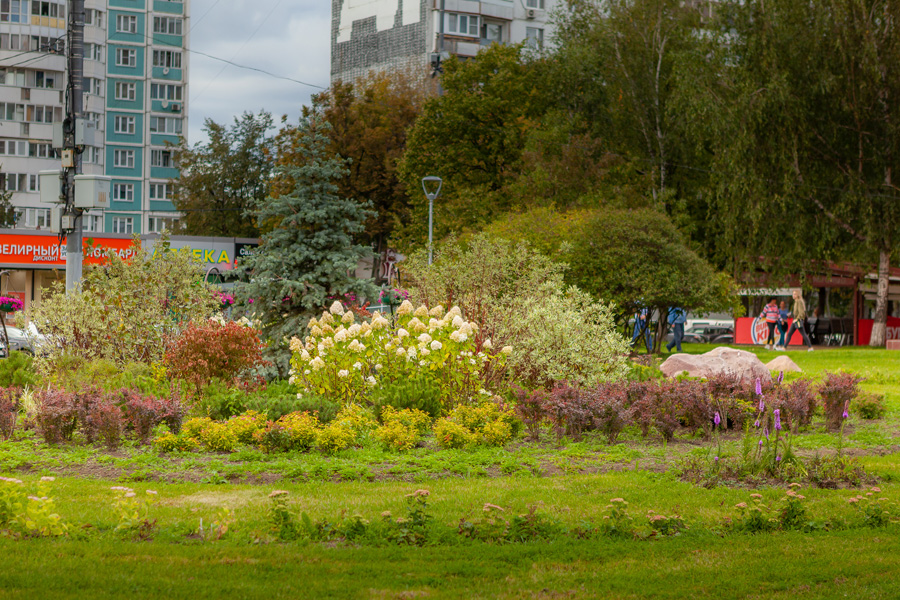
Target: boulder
{"points": [[783, 363], [717, 361]]}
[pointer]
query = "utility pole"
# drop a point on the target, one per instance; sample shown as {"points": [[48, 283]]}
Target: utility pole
{"points": [[71, 222]]}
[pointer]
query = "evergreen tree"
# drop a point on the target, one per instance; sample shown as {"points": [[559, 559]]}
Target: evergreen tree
{"points": [[308, 255]]}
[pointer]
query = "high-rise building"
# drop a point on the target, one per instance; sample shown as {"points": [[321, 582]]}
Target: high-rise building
{"points": [[380, 34], [135, 92]]}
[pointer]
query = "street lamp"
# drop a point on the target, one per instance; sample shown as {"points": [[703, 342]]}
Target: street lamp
{"points": [[426, 181]]}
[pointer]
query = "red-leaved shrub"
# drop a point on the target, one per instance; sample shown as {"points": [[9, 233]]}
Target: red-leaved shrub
{"points": [[837, 391], [204, 351], [144, 412], [106, 417], [57, 414], [86, 399], [9, 410], [531, 409]]}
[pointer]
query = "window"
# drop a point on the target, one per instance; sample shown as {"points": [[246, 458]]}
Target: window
{"points": [[161, 158], [461, 24], [170, 125], [163, 91], [48, 9], [92, 155], [167, 25], [123, 124], [13, 77], [44, 79], [10, 111], [43, 114], [14, 147], [37, 217], [93, 85], [158, 224], [40, 43], [13, 182], [92, 223], [11, 41], [539, 4], [123, 159], [125, 90], [93, 17], [123, 192], [126, 57], [167, 59], [13, 11], [160, 191], [38, 150], [122, 225], [126, 23], [492, 32], [534, 37], [93, 52]]}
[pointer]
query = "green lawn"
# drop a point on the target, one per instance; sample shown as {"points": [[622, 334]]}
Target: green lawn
{"points": [[570, 484]]}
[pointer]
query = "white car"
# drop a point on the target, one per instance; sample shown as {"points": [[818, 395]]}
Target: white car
{"points": [[28, 340]]}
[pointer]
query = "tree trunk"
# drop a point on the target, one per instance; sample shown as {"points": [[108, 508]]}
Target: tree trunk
{"points": [[879, 328]]}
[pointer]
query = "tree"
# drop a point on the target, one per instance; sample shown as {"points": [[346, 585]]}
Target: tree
{"points": [[369, 121], [8, 214], [632, 258], [473, 137], [308, 257], [809, 131], [222, 179]]}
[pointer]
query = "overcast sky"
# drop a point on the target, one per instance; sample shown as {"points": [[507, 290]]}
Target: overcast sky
{"points": [[290, 38]]}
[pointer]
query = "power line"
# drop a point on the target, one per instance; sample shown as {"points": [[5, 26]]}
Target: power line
{"points": [[208, 10]]}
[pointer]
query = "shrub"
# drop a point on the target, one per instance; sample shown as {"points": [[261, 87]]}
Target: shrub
{"points": [[57, 415], [420, 392], [108, 422], [450, 434], [357, 420], [659, 409], [206, 350], [335, 437], [796, 400], [302, 430], [17, 370], [402, 429], [220, 400], [870, 406], [488, 423], [86, 399], [273, 438], [192, 428], [217, 437], [9, 410], [837, 391], [610, 412], [531, 409], [245, 426], [169, 442], [143, 412], [570, 409]]}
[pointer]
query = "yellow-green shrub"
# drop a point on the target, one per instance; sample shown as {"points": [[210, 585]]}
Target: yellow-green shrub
{"points": [[335, 437], [356, 419], [450, 434], [175, 443], [217, 437], [245, 425], [193, 427], [402, 429], [302, 429]]}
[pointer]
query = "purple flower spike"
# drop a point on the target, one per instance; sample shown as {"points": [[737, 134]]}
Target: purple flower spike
{"points": [[846, 415], [777, 420], [758, 387], [760, 442], [780, 377], [717, 419], [777, 459], [762, 405], [766, 431], [716, 459], [756, 424]]}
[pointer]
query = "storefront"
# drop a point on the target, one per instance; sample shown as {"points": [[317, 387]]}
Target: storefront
{"points": [[32, 261]]}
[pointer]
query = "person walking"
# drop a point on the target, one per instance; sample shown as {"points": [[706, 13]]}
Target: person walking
{"points": [[798, 312], [770, 313], [782, 324], [677, 317], [642, 324]]}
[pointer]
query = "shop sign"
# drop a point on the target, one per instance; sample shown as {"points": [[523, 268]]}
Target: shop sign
{"points": [[45, 251]]}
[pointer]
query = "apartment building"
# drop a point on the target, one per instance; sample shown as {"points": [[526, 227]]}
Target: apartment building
{"points": [[382, 34], [135, 92]]}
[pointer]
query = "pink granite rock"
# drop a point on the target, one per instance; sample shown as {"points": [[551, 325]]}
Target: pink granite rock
{"points": [[717, 361]]}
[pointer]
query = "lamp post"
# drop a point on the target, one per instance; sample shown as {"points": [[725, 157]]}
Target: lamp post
{"points": [[431, 179]]}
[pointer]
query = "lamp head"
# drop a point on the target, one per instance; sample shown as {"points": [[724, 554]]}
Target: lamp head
{"points": [[434, 183]]}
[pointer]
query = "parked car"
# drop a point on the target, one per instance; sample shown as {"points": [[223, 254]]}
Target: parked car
{"points": [[690, 337], [28, 340], [712, 332]]}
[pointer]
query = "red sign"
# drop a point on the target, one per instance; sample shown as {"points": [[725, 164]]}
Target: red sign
{"points": [[865, 330], [749, 330], [44, 251]]}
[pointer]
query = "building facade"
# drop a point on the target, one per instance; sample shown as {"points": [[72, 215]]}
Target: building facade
{"points": [[135, 93], [382, 34]]}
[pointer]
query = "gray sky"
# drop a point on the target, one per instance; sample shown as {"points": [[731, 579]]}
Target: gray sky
{"points": [[292, 39]]}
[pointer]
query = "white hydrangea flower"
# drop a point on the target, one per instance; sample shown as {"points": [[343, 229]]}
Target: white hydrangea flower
{"points": [[402, 333], [337, 308], [424, 338], [422, 311], [343, 373], [317, 363], [370, 380], [347, 319], [487, 344], [340, 335], [378, 367], [316, 331], [292, 380], [471, 361], [458, 321], [437, 311], [357, 365], [307, 372], [327, 318], [453, 312], [304, 356], [506, 350], [423, 363], [312, 323], [455, 336], [462, 337], [354, 329], [329, 343], [411, 353], [424, 351], [436, 345], [401, 352], [355, 346], [405, 308], [467, 329], [296, 344]]}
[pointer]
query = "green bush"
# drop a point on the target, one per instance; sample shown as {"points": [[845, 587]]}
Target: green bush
{"points": [[335, 437], [402, 429], [870, 406], [222, 401], [245, 426], [302, 431], [419, 393], [281, 399], [450, 434], [17, 370], [488, 423], [217, 437], [168, 442]]}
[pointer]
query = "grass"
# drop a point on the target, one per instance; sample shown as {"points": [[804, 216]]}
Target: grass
{"points": [[571, 483]]}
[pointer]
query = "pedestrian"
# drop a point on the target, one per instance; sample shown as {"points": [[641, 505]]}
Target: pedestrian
{"points": [[642, 324], [770, 312], [782, 324], [798, 312], [677, 317]]}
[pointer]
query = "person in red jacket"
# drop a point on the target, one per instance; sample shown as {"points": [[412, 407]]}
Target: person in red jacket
{"points": [[771, 314]]}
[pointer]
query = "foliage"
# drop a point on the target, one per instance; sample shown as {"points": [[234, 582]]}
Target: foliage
{"points": [[419, 392], [218, 437], [282, 521], [488, 423], [334, 438], [346, 360], [309, 254], [222, 179], [144, 412], [212, 349], [870, 406], [402, 429], [133, 513], [245, 426], [301, 429], [57, 415], [9, 411], [493, 527], [169, 442], [876, 512], [125, 308], [837, 391], [530, 407], [616, 520], [17, 370], [29, 511]]}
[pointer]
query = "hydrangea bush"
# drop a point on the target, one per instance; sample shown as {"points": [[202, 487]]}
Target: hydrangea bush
{"points": [[346, 360]]}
